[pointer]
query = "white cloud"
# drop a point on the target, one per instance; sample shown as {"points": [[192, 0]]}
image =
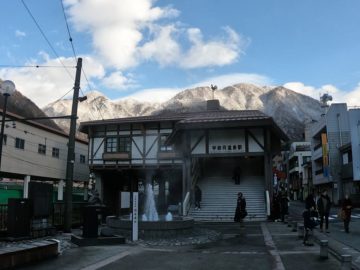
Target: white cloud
{"points": [[118, 81], [352, 97], [219, 52], [44, 85], [20, 34], [163, 48], [125, 33], [164, 94]]}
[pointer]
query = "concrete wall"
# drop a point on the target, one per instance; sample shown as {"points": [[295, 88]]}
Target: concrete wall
{"points": [[354, 122]]}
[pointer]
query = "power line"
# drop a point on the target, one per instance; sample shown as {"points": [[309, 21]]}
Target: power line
{"points": [[96, 105], [34, 66], [47, 40], [68, 29], [74, 52]]}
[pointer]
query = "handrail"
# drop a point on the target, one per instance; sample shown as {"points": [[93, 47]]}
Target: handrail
{"points": [[186, 204], [267, 198]]}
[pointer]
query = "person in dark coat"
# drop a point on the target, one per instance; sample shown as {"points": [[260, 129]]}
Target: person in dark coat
{"points": [[197, 197], [276, 209], [309, 225], [236, 175], [324, 205], [346, 207], [310, 202], [284, 201], [240, 212]]}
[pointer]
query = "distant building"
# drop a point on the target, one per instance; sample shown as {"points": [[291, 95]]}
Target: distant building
{"points": [[300, 153], [176, 151], [334, 141], [35, 152]]}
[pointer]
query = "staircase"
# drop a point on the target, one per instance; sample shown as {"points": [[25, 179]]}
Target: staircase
{"points": [[219, 196]]}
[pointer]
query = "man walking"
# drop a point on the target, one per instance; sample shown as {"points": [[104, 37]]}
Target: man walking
{"points": [[324, 205]]}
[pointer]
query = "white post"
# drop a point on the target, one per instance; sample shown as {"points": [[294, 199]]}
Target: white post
{"points": [[135, 218], [324, 251], [26, 187], [60, 194]]}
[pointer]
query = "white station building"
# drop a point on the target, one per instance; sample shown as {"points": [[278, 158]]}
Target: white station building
{"points": [[177, 151]]}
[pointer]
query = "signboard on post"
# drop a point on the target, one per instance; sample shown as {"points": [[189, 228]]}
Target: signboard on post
{"points": [[135, 216]]}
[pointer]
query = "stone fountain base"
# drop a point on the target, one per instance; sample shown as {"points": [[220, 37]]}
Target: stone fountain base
{"points": [[149, 229]]}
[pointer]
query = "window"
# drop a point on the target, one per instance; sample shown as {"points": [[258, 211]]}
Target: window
{"points": [[111, 144], [82, 159], [55, 152], [124, 144], [19, 143], [4, 139], [42, 149], [163, 147]]}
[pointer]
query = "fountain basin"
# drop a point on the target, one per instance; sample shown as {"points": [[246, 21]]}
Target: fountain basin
{"points": [[151, 229]]}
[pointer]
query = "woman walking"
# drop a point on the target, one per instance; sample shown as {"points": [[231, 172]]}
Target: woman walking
{"points": [[240, 212], [346, 208]]}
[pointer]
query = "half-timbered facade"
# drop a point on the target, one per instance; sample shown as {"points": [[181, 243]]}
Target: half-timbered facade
{"points": [[176, 151]]}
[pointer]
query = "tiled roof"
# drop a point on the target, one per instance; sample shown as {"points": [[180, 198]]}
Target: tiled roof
{"points": [[225, 116], [173, 116], [191, 119]]}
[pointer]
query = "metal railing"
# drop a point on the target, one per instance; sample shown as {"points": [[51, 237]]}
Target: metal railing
{"points": [[58, 214]]}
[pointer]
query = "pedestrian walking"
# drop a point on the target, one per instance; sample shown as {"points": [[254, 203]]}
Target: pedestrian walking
{"points": [[240, 212], [310, 202], [346, 208], [198, 196], [276, 209], [236, 175], [284, 201], [309, 225], [324, 205]]}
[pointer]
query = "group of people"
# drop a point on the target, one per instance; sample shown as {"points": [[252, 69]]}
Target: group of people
{"points": [[320, 209], [280, 205]]}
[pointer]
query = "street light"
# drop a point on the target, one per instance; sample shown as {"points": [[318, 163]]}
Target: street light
{"points": [[6, 88]]}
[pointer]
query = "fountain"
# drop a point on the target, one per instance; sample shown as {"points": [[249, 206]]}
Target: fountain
{"points": [[150, 212], [151, 225]]}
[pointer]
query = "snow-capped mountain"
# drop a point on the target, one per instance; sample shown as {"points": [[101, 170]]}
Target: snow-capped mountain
{"points": [[289, 109]]}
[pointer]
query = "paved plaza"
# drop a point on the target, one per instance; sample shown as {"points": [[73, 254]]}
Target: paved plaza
{"points": [[267, 245]]}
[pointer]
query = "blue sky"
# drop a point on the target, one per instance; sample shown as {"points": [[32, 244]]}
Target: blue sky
{"points": [[150, 50]]}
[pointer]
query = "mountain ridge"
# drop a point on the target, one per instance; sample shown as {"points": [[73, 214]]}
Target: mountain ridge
{"points": [[289, 109]]}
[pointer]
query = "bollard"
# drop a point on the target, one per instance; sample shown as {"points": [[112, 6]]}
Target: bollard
{"points": [[300, 229], [324, 249], [346, 262], [294, 226]]}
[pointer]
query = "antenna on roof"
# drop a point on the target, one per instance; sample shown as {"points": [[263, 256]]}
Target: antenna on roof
{"points": [[213, 88]]}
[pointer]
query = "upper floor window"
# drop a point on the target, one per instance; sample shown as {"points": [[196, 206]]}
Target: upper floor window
{"points": [[82, 159], [55, 152], [111, 144], [124, 144], [42, 149], [19, 143], [163, 147]]}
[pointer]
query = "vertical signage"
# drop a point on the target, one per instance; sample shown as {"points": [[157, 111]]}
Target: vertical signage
{"points": [[135, 218], [325, 154]]}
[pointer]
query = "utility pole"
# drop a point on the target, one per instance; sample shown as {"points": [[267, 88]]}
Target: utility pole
{"points": [[71, 150]]}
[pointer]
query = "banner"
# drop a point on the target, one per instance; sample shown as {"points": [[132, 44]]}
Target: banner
{"points": [[325, 154]]}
